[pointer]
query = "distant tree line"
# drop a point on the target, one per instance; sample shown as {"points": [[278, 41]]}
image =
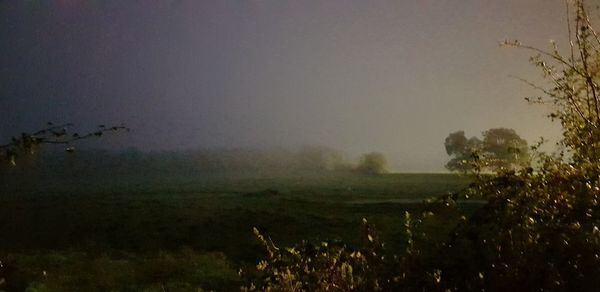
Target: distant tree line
{"points": [[93, 162]]}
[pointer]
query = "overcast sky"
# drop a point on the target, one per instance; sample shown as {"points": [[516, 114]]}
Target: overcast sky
{"points": [[392, 76]]}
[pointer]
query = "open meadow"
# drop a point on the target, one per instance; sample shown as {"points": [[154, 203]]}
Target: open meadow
{"points": [[186, 231]]}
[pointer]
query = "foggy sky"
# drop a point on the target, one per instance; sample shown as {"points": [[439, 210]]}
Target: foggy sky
{"points": [[390, 76]]}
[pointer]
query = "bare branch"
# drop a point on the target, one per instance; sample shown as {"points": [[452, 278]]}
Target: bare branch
{"points": [[51, 135], [551, 94], [542, 52], [572, 46]]}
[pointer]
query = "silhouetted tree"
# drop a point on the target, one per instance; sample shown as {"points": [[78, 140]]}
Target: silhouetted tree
{"points": [[501, 149], [463, 151], [504, 149]]}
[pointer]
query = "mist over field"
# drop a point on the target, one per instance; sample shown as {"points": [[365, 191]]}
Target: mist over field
{"points": [[391, 76], [339, 145]]}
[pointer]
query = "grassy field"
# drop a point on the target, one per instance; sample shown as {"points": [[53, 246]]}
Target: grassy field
{"points": [[186, 231]]}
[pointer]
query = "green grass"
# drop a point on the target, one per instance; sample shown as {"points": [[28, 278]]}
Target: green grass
{"points": [[103, 217]]}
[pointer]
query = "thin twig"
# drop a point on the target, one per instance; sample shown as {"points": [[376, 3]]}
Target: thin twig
{"points": [[553, 56], [569, 98], [38, 139], [570, 33]]}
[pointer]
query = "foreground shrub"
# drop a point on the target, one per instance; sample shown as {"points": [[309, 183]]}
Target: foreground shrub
{"points": [[328, 266], [537, 232]]}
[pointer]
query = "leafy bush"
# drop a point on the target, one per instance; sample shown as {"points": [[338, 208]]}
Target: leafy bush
{"points": [[328, 266], [538, 231]]}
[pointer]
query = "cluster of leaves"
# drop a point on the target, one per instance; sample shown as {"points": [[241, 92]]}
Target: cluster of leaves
{"points": [[501, 149], [572, 89], [52, 134]]}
